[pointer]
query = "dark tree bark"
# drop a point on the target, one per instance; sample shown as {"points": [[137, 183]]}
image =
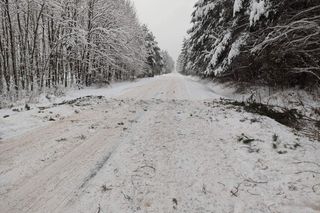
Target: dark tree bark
{"points": [[12, 47]]}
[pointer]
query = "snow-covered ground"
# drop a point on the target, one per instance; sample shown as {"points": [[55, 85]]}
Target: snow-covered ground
{"points": [[18, 122], [157, 145], [307, 103]]}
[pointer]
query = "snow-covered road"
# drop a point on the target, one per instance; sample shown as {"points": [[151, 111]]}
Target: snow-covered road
{"points": [[162, 145]]}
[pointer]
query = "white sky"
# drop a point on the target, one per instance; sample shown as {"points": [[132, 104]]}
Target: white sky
{"points": [[169, 21]]}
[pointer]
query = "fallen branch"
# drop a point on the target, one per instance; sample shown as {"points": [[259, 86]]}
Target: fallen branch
{"points": [[235, 193], [307, 162], [127, 197], [222, 184], [252, 193], [145, 166], [307, 171], [256, 182]]}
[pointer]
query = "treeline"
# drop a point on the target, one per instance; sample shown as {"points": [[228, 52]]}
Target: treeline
{"points": [[168, 62], [46, 43], [268, 42]]}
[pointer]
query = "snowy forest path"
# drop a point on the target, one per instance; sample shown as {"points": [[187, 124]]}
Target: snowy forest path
{"points": [[167, 145]]}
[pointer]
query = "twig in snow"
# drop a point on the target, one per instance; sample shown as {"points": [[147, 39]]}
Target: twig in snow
{"points": [[307, 171], [104, 188], [99, 209], [222, 184], [204, 189], [127, 197], [252, 193], [307, 162], [235, 192], [256, 182], [175, 203], [314, 187], [145, 166]]}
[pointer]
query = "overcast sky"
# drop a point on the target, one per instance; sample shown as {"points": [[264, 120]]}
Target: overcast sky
{"points": [[169, 21]]}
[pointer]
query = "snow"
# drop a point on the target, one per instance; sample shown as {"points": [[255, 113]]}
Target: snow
{"points": [[221, 15], [235, 48], [217, 51], [203, 9], [166, 144], [238, 4], [298, 99], [23, 121], [186, 170], [259, 8]]}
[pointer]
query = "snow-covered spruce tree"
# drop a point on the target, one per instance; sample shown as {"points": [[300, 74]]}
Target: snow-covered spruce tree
{"points": [[168, 63], [260, 41], [209, 35], [183, 59], [154, 58]]}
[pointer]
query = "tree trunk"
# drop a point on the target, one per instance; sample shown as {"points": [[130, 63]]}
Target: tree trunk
{"points": [[12, 48]]}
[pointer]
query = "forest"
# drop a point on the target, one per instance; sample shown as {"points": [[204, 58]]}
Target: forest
{"points": [[63, 43], [97, 117], [259, 42]]}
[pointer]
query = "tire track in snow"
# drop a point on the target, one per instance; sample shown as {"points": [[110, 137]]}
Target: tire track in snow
{"points": [[100, 164]]}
